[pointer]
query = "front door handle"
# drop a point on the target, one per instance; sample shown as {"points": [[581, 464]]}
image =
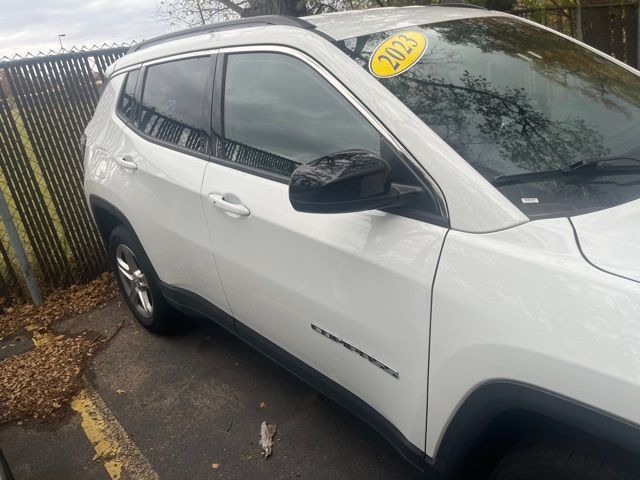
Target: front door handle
{"points": [[217, 200], [127, 162]]}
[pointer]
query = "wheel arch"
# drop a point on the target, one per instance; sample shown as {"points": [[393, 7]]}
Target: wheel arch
{"points": [[498, 413], [107, 217]]}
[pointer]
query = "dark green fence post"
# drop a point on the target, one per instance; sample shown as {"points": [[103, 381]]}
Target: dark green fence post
{"points": [[18, 249], [638, 38], [579, 21]]}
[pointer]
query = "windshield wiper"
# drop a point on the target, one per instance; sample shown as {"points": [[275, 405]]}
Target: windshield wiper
{"points": [[580, 167]]}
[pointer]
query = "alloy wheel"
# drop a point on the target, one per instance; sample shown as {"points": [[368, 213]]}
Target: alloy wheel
{"points": [[134, 281]]}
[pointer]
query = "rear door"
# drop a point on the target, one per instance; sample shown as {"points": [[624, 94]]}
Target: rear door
{"points": [[348, 294], [160, 163]]}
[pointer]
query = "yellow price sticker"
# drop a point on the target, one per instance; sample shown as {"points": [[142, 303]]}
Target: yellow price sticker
{"points": [[397, 54]]}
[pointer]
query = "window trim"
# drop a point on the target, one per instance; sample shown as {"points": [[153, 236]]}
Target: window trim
{"points": [[122, 89], [218, 120], [209, 91]]}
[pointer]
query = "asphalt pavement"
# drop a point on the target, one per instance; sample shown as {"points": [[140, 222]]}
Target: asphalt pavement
{"points": [[190, 406]]}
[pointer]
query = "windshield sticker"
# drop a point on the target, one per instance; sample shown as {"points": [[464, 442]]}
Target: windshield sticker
{"points": [[397, 54]]}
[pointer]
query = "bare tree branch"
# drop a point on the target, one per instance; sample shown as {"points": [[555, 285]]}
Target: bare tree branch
{"points": [[232, 6], [200, 12]]}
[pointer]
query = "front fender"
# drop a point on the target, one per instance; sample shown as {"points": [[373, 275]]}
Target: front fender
{"points": [[494, 398], [524, 306]]}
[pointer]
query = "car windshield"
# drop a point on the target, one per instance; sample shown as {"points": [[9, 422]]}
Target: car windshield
{"points": [[513, 99]]}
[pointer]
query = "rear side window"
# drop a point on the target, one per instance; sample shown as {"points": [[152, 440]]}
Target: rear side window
{"points": [[280, 113], [175, 106], [127, 102]]}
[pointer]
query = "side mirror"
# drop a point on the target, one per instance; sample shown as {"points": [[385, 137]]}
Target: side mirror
{"points": [[350, 181]]}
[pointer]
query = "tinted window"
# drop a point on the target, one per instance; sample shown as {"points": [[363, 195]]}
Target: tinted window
{"points": [[514, 99], [280, 113], [175, 103], [126, 105]]}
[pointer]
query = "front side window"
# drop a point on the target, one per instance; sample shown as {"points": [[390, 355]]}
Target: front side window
{"points": [[280, 113], [554, 126], [175, 106], [127, 102]]}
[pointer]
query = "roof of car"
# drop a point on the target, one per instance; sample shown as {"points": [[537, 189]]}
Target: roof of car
{"points": [[354, 23], [332, 26]]}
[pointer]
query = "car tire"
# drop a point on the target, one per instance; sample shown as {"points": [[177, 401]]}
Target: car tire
{"points": [[137, 282], [559, 460]]}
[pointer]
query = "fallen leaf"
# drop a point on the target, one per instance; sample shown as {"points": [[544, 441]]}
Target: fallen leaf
{"points": [[39, 382], [267, 432], [59, 304]]}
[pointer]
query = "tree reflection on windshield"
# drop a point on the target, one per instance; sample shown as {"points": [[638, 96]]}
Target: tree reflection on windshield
{"points": [[513, 98], [526, 136], [557, 59]]}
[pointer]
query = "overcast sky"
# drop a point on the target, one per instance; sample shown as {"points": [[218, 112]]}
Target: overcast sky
{"points": [[34, 25]]}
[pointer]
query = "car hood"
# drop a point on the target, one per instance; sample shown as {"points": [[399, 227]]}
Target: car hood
{"points": [[610, 239]]}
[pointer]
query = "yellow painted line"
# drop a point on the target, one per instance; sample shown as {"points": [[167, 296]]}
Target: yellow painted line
{"points": [[94, 427], [114, 448], [122, 459]]}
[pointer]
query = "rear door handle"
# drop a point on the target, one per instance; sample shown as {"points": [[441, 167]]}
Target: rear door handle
{"points": [[126, 162], [217, 200]]}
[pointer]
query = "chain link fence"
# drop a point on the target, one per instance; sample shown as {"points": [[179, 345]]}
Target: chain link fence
{"points": [[45, 103]]}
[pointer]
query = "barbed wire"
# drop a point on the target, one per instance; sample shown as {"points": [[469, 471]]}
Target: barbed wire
{"points": [[74, 49]]}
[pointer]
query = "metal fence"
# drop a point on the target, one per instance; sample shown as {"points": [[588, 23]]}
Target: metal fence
{"points": [[611, 27], [45, 103]]}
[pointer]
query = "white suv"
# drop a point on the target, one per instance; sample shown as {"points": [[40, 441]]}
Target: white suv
{"points": [[431, 214]]}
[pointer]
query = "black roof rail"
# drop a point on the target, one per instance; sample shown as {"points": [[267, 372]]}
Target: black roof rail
{"points": [[460, 5], [258, 21]]}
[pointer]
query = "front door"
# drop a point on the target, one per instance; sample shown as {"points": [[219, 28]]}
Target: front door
{"points": [[348, 294]]}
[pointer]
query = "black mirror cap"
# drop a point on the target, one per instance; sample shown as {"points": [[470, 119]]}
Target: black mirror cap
{"points": [[349, 181]]}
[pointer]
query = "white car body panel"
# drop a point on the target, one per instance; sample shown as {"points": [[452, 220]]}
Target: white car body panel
{"points": [[610, 239], [364, 277], [103, 136], [523, 305], [354, 23]]}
